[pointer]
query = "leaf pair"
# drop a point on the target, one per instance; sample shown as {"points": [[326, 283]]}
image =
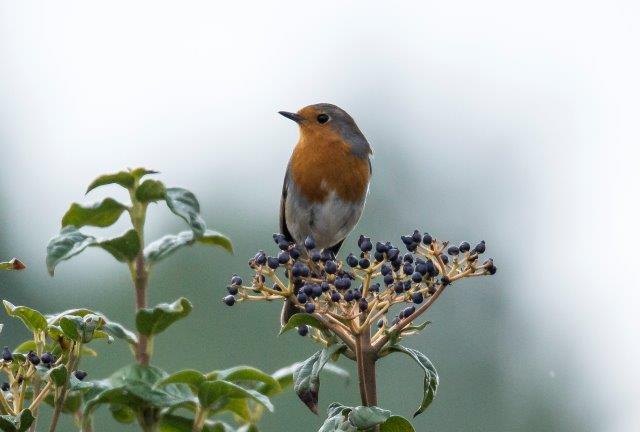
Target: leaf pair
{"points": [[18, 423], [151, 321], [361, 418]]}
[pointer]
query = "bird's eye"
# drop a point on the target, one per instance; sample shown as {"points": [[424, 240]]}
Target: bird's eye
{"points": [[323, 118]]}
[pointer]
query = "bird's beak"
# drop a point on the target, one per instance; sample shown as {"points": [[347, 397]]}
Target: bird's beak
{"points": [[292, 116]]}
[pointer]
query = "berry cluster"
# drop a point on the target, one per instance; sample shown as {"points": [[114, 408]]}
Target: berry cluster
{"points": [[380, 284]]}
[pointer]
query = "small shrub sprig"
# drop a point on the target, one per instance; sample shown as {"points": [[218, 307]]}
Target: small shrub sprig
{"points": [[360, 308], [45, 367]]}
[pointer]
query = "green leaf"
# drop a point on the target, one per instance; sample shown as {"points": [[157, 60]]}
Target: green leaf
{"points": [[58, 375], [284, 377], [431, 379], [191, 377], [364, 418], [150, 191], [70, 242], [122, 178], [337, 419], [122, 413], [31, 318], [165, 246], [124, 248], [306, 376], [99, 214], [14, 264], [215, 394], [19, 423], [300, 319], [135, 387], [214, 238], [245, 374], [153, 321], [396, 424], [185, 204], [119, 331], [138, 173], [175, 423], [81, 329]]}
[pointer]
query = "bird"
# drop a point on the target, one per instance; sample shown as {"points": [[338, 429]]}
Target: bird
{"points": [[326, 181]]}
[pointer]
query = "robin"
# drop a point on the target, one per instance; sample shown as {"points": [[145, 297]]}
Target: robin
{"points": [[326, 182]]}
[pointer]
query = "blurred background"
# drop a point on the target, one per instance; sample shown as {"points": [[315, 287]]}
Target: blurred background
{"points": [[513, 122]]}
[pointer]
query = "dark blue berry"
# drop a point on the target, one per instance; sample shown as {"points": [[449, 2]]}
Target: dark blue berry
{"points": [[432, 270], [444, 258], [279, 238], [385, 269], [408, 269], [417, 298], [352, 261], [80, 374], [374, 287], [407, 240], [427, 239], [324, 286], [480, 247], [381, 247], [273, 263], [229, 300], [364, 263], [335, 296], [363, 304], [47, 358], [492, 269], [392, 254], [317, 291], [408, 311], [233, 290], [348, 296], [6, 354], [302, 297], [310, 243], [330, 267], [326, 255], [276, 287], [416, 236], [307, 289], [283, 245], [309, 308], [412, 247], [416, 277], [357, 294], [260, 258], [33, 358], [283, 257], [316, 256], [407, 258], [304, 271], [407, 285], [5, 386], [295, 253], [453, 250], [464, 247], [366, 245], [303, 330], [388, 279], [444, 280], [399, 288], [422, 268], [378, 256], [236, 280]]}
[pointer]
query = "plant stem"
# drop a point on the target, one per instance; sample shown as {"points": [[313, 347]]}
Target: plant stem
{"points": [[200, 419], [141, 281], [72, 364]]}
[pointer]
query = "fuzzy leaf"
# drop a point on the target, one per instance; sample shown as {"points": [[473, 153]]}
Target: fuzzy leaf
{"points": [[150, 191], [185, 204], [58, 375], [165, 246], [245, 374], [19, 423], [396, 424], [306, 377], [216, 394], [119, 331], [431, 379], [153, 321], [190, 377], [31, 318], [99, 214], [300, 319], [122, 178], [364, 418], [124, 248]]}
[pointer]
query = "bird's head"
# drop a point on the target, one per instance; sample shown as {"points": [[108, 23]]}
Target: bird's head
{"points": [[331, 123]]}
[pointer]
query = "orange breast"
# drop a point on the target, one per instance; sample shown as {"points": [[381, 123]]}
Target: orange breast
{"points": [[321, 164]]}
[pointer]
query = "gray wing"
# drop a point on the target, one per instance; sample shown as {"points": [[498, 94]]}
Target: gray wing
{"points": [[283, 217]]}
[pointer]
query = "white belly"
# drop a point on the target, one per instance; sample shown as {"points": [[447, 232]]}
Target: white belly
{"points": [[328, 222]]}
